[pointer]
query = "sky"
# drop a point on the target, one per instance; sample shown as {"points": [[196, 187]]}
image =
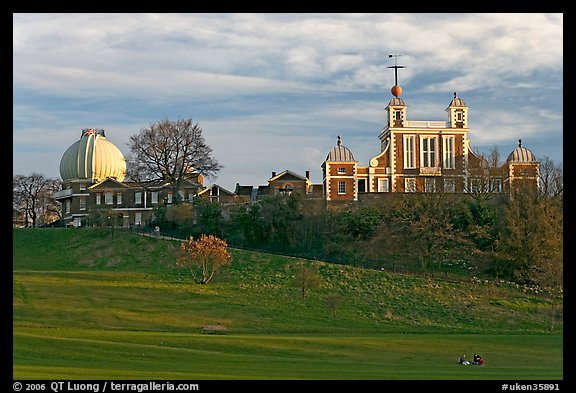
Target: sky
{"points": [[272, 92]]}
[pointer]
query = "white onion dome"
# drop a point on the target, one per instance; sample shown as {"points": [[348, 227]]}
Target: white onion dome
{"points": [[340, 153], [93, 157], [521, 154]]}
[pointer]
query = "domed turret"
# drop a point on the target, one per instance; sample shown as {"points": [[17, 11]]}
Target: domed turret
{"points": [[340, 153], [93, 157], [521, 154]]}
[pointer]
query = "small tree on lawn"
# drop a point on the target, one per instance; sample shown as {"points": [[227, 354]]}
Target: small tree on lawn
{"points": [[203, 257], [306, 278]]}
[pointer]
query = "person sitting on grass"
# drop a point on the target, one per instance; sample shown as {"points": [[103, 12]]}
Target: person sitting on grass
{"points": [[463, 360], [478, 360]]}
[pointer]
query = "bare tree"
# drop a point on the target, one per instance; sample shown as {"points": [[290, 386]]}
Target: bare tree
{"points": [[551, 178], [170, 151], [32, 197]]}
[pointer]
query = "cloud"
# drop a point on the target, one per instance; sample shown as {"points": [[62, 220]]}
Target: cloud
{"points": [[277, 88]]}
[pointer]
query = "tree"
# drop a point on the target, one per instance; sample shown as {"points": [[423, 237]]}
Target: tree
{"points": [[531, 235], [32, 197], [551, 178], [203, 257], [306, 278], [332, 302], [171, 152]]}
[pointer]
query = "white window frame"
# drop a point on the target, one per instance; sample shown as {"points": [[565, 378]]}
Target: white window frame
{"points": [[169, 198], [341, 187], [429, 184], [82, 202], [383, 184], [449, 184], [119, 198], [409, 142], [67, 205], [109, 198], [138, 198], [428, 151], [410, 184], [138, 218], [341, 171], [448, 142], [496, 185], [154, 198], [98, 199]]}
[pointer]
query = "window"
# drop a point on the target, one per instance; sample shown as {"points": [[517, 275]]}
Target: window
{"points": [[182, 195], [383, 185], [98, 199], [429, 184], [119, 198], [109, 198], [449, 185], [138, 198], [169, 198], [67, 206], [82, 203], [138, 218], [475, 185], [361, 185], [496, 185], [82, 187], [341, 187], [154, 196], [428, 152], [459, 116], [410, 184], [448, 148], [341, 171], [398, 115], [523, 172], [409, 152]]}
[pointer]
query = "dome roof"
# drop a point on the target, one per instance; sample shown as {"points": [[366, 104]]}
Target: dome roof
{"points": [[92, 157], [521, 154], [340, 153], [457, 102]]}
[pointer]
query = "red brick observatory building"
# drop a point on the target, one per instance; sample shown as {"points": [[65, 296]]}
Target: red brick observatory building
{"points": [[415, 156], [424, 156]]}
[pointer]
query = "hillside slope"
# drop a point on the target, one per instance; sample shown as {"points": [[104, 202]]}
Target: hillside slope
{"points": [[121, 280]]}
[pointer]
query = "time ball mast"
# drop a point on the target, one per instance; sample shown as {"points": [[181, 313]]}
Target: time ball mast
{"points": [[396, 89]]}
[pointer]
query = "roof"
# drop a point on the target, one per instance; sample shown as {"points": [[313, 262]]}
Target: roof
{"points": [[521, 154], [243, 190], [288, 174], [396, 101], [457, 102], [222, 189], [340, 153], [92, 157]]}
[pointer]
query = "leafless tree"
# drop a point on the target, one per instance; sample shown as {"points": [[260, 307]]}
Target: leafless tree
{"points": [[551, 178], [172, 152], [32, 199]]}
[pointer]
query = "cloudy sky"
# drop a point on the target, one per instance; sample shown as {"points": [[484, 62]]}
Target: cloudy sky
{"points": [[273, 91]]}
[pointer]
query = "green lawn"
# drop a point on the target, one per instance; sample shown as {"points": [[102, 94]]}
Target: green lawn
{"points": [[87, 305]]}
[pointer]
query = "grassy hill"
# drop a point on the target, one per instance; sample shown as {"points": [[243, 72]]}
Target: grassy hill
{"points": [[95, 304]]}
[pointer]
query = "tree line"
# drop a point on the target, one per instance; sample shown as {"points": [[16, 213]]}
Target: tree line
{"points": [[516, 238]]}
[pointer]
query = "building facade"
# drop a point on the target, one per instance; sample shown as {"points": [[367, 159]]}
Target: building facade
{"points": [[415, 156], [425, 156]]}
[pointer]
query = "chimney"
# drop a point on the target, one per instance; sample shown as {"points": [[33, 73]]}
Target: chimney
{"points": [[308, 175], [273, 174]]}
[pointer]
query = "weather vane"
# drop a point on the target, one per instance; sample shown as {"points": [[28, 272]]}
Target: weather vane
{"points": [[396, 66]]}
